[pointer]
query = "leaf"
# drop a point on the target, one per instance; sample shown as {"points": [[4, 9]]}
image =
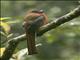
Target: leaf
{"points": [[10, 35], [11, 22], [5, 26], [1, 51], [50, 38], [2, 33], [5, 18]]}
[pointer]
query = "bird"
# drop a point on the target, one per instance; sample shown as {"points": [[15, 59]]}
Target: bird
{"points": [[33, 20]]}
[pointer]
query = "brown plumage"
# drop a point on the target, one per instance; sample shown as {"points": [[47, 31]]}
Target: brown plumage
{"points": [[30, 17]]}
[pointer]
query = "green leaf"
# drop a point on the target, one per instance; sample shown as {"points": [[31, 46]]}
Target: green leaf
{"points": [[11, 22], [5, 18], [50, 37], [10, 35], [2, 51], [2, 33], [5, 26]]}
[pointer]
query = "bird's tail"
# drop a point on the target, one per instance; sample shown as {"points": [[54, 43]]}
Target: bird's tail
{"points": [[31, 43]]}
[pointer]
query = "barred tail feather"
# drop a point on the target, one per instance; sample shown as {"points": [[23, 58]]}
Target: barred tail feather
{"points": [[31, 43]]}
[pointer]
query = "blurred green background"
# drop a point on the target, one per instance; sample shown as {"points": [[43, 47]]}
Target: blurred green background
{"points": [[62, 43]]}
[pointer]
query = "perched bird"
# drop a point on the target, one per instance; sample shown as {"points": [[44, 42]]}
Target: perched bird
{"points": [[33, 20]]}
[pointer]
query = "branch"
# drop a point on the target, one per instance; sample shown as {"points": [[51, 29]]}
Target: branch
{"points": [[14, 42], [55, 23]]}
